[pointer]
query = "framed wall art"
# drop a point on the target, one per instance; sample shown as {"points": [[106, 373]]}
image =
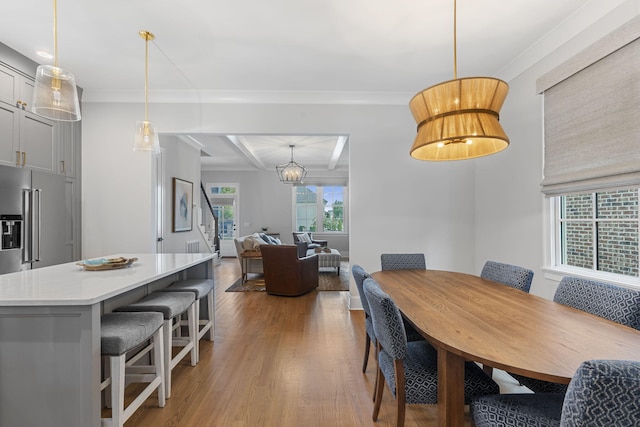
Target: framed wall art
{"points": [[182, 205]]}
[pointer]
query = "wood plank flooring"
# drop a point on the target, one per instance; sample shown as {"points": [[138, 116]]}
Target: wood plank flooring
{"points": [[278, 361]]}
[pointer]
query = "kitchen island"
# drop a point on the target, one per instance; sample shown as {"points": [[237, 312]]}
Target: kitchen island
{"points": [[50, 333]]}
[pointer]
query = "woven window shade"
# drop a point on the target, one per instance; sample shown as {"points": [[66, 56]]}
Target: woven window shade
{"points": [[592, 122]]}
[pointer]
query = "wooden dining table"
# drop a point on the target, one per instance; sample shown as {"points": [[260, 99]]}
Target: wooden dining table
{"points": [[467, 317]]}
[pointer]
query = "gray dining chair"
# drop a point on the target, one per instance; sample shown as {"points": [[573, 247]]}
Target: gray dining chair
{"points": [[410, 369], [507, 274], [601, 393], [358, 276], [403, 262], [510, 275], [621, 305]]}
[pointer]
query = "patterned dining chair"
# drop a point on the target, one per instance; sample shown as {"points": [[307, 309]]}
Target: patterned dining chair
{"points": [[410, 369], [621, 305], [601, 393], [358, 276], [507, 274], [403, 262]]}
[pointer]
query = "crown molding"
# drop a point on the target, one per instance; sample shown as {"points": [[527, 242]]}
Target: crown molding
{"points": [[249, 97]]}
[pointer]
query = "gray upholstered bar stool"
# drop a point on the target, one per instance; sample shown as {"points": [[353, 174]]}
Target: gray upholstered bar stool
{"points": [[120, 333], [171, 305], [201, 288]]}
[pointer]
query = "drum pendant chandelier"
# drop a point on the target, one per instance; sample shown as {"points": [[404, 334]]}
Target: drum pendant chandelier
{"points": [[458, 119]]}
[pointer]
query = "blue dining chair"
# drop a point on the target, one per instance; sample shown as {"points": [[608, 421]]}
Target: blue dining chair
{"points": [[510, 275], [403, 262], [507, 274], [621, 305], [410, 369], [358, 276], [601, 393]]}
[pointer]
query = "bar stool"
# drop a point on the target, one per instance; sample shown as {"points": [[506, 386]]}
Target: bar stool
{"points": [[120, 333], [171, 305], [201, 288]]}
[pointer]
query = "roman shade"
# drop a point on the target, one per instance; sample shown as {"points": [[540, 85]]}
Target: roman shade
{"points": [[592, 117]]}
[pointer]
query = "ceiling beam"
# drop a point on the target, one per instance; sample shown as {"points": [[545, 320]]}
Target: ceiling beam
{"points": [[337, 151], [239, 144]]}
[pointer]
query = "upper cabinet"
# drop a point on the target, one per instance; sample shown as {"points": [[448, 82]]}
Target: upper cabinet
{"points": [[26, 139]]}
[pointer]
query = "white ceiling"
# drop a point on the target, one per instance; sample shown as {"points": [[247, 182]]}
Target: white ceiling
{"points": [[243, 49]]}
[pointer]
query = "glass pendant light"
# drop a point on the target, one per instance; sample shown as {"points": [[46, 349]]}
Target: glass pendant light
{"points": [[146, 137], [55, 95]]}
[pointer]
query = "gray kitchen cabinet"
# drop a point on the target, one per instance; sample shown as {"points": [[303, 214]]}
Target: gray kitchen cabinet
{"points": [[26, 139]]}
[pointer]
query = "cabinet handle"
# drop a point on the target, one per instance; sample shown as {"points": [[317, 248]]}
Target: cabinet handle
{"points": [[18, 103], [17, 158], [24, 158], [62, 167], [24, 105]]}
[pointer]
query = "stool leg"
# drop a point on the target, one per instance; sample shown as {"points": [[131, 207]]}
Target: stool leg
{"points": [[193, 332], [211, 309], [158, 363], [167, 332], [117, 365], [196, 318]]}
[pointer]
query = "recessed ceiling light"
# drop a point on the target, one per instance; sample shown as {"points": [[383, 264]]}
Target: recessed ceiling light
{"points": [[44, 54]]}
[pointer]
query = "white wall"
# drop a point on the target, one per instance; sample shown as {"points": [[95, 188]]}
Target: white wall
{"points": [[459, 214], [510, 210], [181, 161]]}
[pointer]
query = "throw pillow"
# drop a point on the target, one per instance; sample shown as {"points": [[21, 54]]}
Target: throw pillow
{"points": [[304, 237]]}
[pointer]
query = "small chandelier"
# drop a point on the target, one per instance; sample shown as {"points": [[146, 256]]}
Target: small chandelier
{"points": [[292, 172], [146, 137], [55, 95], [458, 119]]}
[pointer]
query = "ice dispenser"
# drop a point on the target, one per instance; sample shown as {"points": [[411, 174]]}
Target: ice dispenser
{"points": [[11, 231]]}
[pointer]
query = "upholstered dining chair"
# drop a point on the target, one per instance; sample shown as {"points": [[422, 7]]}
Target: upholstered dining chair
{"points": [[601, 393], [410, 369], [403, 262], [507, 274], [621, 305], [358, 276]]}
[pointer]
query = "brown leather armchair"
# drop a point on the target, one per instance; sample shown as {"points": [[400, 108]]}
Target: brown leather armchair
{"points": [[285, 274]]}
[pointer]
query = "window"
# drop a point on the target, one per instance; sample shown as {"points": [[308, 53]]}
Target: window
{"points": [[598, 232], [325, 202]]}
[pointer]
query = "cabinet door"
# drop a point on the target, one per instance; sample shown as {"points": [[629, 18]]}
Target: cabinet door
{"points": [[8, 87], [9, 132], [37, 141], [67, 133]]}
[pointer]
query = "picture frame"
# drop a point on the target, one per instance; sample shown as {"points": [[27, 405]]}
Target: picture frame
{"points": [[182, 205]]}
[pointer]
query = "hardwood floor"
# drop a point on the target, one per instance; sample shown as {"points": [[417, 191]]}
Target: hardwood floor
{"points": [[278, 361]]}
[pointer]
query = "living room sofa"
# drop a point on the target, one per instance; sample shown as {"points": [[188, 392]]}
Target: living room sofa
{"points": [[250, 257]]}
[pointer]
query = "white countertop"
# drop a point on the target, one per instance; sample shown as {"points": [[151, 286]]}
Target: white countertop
{"points": [[70, 284]]}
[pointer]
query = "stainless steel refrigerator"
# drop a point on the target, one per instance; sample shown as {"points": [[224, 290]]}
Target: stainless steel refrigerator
{"points": [[33, 218]]}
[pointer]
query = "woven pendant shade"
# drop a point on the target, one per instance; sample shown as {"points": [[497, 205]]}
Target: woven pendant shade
{"points": [[458, 119]]}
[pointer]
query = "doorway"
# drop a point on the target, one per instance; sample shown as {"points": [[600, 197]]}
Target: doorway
{"points": [[224, 198]]}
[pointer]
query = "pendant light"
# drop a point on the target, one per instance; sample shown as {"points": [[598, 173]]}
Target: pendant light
{"points": [[291, 172], [146, 137], [458, 119], [55, 95]]}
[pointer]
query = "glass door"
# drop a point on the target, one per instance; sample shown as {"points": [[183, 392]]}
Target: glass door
{"points": [[224, 201]]}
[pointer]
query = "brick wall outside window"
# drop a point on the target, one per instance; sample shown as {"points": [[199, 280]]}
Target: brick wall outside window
{"points": [[606, 223]]}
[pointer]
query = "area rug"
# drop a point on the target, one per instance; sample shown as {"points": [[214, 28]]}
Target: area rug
{"points": [[328, 281]]}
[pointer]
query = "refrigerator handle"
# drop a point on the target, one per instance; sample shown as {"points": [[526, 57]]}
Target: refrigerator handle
{"points": [[37, 195], [32, 240]]}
